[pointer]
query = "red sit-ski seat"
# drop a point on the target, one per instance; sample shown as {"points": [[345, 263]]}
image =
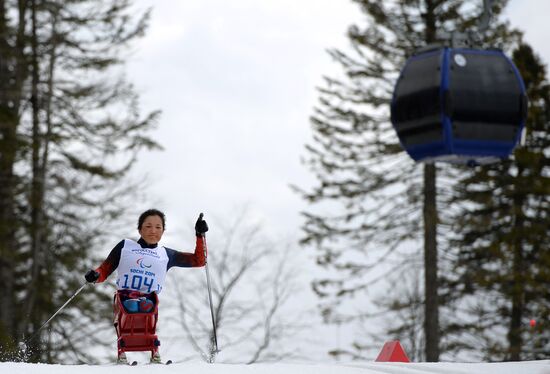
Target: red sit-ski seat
{"points": [[135, 331]]}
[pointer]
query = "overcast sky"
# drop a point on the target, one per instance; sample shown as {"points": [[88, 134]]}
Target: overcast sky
{"points": [[236, 82]]}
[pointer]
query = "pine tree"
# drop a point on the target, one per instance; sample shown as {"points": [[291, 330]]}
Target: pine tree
{"points": [[372, 203], [502, 235], [78, 132]]}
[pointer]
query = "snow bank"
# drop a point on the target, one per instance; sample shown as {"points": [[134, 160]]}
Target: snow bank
{"points": [[528, 367]]}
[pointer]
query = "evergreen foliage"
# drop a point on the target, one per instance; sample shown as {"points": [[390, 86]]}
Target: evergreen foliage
{"points": [[71, 130]]}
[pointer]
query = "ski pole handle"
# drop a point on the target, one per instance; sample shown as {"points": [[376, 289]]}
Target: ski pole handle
{"points": [[201, 227]]}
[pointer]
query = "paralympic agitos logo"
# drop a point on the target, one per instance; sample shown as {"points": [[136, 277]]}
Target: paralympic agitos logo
{"points": [[142, 265]]}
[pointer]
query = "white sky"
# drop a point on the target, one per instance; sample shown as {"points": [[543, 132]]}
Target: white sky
{"points": [[236, 81]]}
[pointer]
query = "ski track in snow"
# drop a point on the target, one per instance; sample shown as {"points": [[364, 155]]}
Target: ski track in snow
{"points": [[527, 367]]}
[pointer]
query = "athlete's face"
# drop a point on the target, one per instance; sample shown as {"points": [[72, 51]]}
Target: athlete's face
{"points": [[151, 230]]}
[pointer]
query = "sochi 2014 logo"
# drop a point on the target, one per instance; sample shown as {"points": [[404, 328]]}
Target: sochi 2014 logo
{"points": [[142, 264]]}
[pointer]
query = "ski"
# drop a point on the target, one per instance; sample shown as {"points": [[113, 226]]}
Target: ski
{"points": [[169, 362], [135, 363], [129, 363]]}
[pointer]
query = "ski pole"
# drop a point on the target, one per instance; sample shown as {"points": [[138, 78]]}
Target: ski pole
{"points": [[210, 300], [23, 344], [215, 350]]}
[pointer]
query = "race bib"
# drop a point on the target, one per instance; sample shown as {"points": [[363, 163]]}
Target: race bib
{"points": [[141, 269]]}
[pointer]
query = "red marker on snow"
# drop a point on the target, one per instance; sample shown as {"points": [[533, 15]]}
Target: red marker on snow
{"points": [[532, 323]]}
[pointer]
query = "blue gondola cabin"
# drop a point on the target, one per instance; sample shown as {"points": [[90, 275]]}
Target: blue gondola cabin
{"points": [[459, 105]]}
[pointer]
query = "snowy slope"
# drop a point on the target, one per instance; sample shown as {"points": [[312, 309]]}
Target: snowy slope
{"points": [[528, 367]]}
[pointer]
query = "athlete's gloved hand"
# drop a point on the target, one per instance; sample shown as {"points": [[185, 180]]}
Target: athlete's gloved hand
{"points": [[91, 276], [201, 227]]}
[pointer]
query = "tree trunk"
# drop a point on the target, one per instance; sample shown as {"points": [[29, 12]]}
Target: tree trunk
{"points": [[515, 340], [431, 285], [9, 120], [431, 308], [36, 198]]}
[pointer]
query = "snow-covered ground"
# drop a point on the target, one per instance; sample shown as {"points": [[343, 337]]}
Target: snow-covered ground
{"points": [[527, 367]]}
